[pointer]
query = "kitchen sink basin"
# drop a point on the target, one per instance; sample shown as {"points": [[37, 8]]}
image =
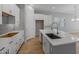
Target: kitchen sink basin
{"points": [[8, 35], [53, 36]]}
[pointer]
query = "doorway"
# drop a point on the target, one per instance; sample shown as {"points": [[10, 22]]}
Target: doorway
{"points": [[39, 25]]}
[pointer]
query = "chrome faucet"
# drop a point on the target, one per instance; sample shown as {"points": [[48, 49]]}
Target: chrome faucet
{"points": [[57, 30], [55, 27]]}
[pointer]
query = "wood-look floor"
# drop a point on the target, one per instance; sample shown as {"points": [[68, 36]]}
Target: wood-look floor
{"points": [[32, 46]]}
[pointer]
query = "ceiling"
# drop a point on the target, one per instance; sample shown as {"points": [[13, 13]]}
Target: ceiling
{"points": [[59, 8], [20, 5]]}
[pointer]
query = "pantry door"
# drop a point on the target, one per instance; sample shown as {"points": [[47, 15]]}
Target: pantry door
{"points": [[39, 25]]}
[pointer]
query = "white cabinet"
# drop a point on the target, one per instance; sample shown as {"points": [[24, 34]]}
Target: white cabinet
{"points": [[0, 14], [8, 8], [50, 48], [12, 48], [0, 17], [17, 17], [4, 50], [46, 46], [47, 19], [11, 9], [0, 7], [39, 17], [16, 44]]}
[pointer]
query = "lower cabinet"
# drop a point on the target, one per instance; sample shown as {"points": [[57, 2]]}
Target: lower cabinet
{"points": [[12, 49], [46, 46], [15, 45], [4, 51], [11, 46], [60, 49]]}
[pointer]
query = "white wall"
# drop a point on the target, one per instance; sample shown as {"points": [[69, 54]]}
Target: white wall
{"points": [[29, 22]]}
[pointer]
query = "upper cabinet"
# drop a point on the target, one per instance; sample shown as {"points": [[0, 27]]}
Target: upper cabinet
{"points": [[17, 16], [39, 17], [8, 8], [47, 19], [0, 7], [0, 14], [10, 14], [12, 6]]}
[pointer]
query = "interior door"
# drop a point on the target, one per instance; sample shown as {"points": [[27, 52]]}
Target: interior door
{"points": [[39, 25]]}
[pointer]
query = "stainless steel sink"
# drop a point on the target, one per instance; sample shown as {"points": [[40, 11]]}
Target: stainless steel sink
{"points": [[53, 36], [8, 35]]}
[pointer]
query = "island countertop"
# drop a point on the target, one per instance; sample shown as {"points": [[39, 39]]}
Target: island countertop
{"points": [[66, 38]]}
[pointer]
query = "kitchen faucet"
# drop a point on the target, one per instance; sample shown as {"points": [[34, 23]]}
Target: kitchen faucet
{"points": [[57, 30], [55, 27]]}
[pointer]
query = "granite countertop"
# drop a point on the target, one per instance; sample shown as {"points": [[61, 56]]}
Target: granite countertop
{"points": [[6, 40], [65, 37]]}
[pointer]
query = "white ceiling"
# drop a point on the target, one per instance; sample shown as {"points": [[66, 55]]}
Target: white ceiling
{"points": [[60, 8]]}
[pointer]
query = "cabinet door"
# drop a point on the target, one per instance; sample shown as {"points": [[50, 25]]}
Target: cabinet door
{"points": [[0, 14], [21, 40], [13, 8], [46, 46], [39, 17], [14, 47], [17, 17], [12, 50], [18, 42], [47, 22], [8, 8]]}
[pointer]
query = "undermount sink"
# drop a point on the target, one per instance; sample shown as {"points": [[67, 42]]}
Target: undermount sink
{"points": [[53, 36], [8, 35]]}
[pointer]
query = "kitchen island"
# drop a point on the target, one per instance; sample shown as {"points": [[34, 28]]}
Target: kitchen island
{"points": [[64, 45]]}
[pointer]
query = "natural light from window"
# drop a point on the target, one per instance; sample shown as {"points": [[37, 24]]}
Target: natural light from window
{"points": [[75, 19]]}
